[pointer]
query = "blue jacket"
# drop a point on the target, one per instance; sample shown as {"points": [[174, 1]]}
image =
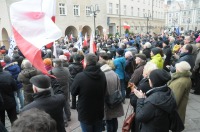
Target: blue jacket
{"points": [[120, 63], [14, 70]]}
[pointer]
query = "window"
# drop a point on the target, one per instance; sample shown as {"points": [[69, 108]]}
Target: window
{"points": [[184, 13], [131, 11], [138, 11], [170, 14], [76, 10], [148, 2], [143, 1], [124, 9], [189, 12], [143, 11], [176, 14], [87, 10], [62, 9], [110, 8], [117, 8]]}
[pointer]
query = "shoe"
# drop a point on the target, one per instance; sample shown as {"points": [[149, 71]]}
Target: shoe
{"points": [[66, 124], [68, 119]]}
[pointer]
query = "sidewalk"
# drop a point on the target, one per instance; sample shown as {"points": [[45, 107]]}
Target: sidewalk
{"points": [[192, 123]]}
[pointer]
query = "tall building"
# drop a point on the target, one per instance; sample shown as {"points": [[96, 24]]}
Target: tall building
{"points": [[76, 17], [183, 14]]}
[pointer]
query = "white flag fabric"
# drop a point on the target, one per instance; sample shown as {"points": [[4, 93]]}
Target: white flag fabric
{"points": [[12, 46], [33, 28], [91, 43]]}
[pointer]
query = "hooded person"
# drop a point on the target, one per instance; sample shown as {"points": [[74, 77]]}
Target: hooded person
{"points": [[154, 107], [156, 57], [90, 86]]}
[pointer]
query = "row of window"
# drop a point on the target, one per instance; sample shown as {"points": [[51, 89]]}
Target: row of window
{"points": [[132, 13], [156, 3], [76, 10]]}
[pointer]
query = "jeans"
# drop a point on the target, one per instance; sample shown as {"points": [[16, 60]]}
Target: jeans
{"points": [[123, 90], [19, 94], [95, 127], [112, 125]]}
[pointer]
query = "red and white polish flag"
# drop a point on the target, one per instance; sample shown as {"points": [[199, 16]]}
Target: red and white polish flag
{"points": [[33, 28]]}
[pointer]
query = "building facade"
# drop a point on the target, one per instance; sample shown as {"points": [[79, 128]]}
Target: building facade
{"points": [[76, 17], [184, 14], [140, 15]]}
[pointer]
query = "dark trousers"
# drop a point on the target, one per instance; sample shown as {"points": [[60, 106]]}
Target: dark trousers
{"points": [[12, 115], [74, 102], [95, 127], [112, 125], [197, 84]]}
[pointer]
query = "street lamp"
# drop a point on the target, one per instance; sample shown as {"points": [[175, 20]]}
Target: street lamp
{"points": [[188, 22], [147, 16], [93, 11]]}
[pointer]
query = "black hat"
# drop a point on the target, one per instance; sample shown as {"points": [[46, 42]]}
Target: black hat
{"points": [[77, 57], [120, 51], [141, 56], [159, 77], [41, 81], [155, 51], [166, 42]]}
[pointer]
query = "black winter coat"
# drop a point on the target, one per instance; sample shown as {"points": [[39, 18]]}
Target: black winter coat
{"points": [[75, 68], [53, 105], [153, 111], [7, 88], [168, 53], [90, 86]]}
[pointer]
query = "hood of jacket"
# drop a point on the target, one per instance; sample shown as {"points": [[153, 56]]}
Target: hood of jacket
{"points": [[93, 71], [179, 74], [105, 68], [13, 68], [157, 57], [162, 97]]}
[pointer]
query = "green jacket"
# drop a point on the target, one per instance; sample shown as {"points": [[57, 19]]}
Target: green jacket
{"points": [[180, 85], [158, 60]]}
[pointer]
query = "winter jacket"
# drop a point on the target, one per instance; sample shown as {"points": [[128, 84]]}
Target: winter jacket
{"points": [[120, 63], [137, 75], [197, 62], [158, 60], [7, 88], [24, 77], [181, 85], [113, 83], [90, 86], [188, 58], [153, 111], [53, 105], [63, 78], [168, 53], [14, 69], [130, 67], [75, 68], [147, 52]]}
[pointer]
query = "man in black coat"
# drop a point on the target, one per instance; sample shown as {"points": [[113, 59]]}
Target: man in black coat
{"points": [[168, 53], [7, 88], [51, 104], [90, 86]]}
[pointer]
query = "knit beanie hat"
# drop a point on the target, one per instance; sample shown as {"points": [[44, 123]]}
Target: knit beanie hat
{"points": [[141, 56], [63, 57], [155, 51], [159, 77], [183, 66], [120, 51], [47, 61], [166, 42]]}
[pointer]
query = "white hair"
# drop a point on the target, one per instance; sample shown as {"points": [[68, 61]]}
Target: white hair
{"points": [[128, 54], [147, 45], [183, 66], [172, 39], [26, 64], [150, 66]]}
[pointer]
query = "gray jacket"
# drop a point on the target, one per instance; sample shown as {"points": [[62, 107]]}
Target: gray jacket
{"points": [[113, 83]]}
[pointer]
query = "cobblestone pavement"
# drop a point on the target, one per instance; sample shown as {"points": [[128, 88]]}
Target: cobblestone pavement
{"points": [[192, 123]]}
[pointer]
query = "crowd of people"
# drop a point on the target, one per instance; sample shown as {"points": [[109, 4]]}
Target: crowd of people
{"points": [[155, 72]]}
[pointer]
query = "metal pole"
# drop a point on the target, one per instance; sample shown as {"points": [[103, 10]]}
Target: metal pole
{"points": [[94, 25], [147, 23], [120, 31]]}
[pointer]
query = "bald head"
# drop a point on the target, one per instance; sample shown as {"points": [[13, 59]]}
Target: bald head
{"points": [[187, 40]]}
